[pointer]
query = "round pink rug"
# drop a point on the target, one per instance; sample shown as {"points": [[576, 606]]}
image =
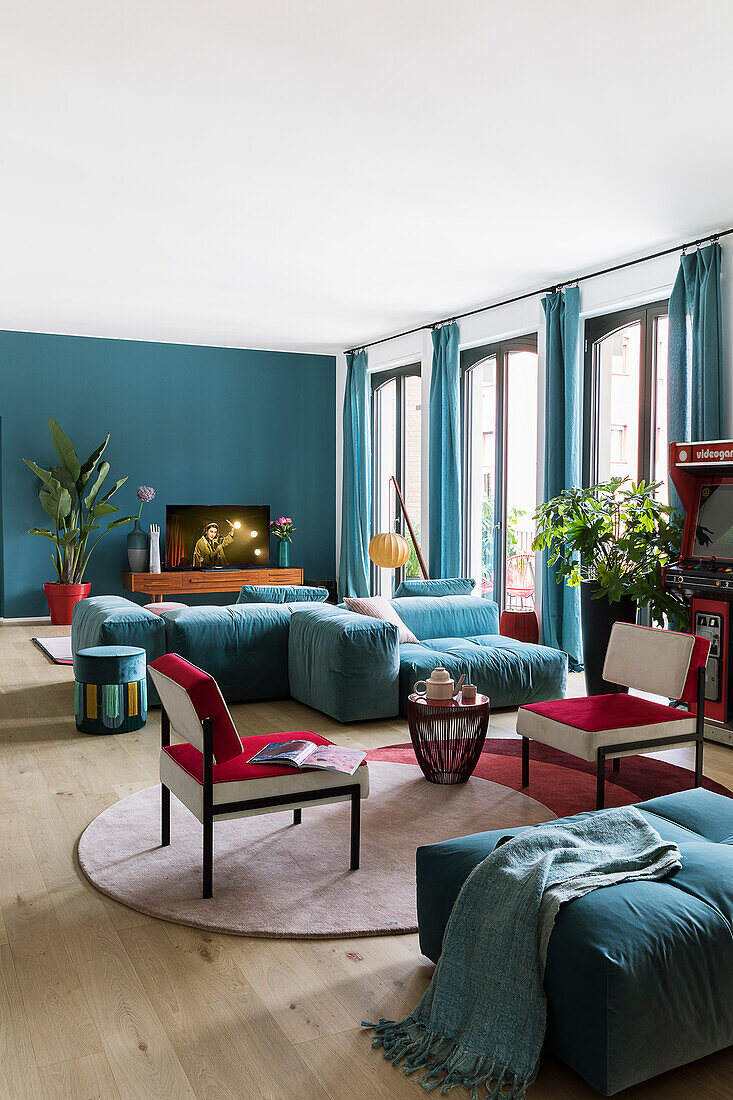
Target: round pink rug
{"points": [[276, 879]]}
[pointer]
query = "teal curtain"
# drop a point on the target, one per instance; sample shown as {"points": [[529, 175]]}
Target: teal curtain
{"points": [[355, 495], [563, 413], [695, 382], [445, 455]]}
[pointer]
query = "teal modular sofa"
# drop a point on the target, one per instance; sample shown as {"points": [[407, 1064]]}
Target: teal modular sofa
{"points": [[639, 976], [353, 667], [349, 666]]}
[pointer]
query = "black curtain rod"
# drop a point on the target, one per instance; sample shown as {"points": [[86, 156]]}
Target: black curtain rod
{"points": [[711, 237]]}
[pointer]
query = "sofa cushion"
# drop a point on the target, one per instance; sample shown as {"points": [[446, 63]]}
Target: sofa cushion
{"points": [[447, 616], [508, 671], [638, 975], [343, 664], [281, 593], [445, 586], [379, 608], [244, 647]]}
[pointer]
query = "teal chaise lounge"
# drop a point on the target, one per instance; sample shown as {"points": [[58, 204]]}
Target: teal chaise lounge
{"points": [[639, 976]]}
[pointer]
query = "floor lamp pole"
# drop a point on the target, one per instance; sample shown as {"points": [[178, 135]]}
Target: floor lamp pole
{"points": [[410, 528]]}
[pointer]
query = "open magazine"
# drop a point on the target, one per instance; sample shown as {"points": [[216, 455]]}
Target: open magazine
{"points": [[304, 754]]}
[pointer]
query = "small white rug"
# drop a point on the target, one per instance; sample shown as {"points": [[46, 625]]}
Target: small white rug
{"points": [[58, 649], [276, 879]]}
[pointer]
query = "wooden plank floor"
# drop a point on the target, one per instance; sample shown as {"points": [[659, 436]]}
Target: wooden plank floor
{"points": [[97, 1001]]}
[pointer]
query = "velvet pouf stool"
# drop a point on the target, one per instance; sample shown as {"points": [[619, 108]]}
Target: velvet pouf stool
{"points": [[110, 693]]}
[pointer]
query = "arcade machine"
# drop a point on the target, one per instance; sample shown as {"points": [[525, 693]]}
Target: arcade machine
{"points": [[702, 474]]}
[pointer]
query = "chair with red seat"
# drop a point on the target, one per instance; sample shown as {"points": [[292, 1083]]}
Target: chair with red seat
{"points": [[210, 774], [601, 727]]}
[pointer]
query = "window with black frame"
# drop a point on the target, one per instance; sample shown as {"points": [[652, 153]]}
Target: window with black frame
{"points": [[625, 413], [500, 469], [396, 451]]}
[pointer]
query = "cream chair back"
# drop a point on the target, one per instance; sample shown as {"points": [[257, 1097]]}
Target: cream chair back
{"points": [[180, 710], [648, 659]]}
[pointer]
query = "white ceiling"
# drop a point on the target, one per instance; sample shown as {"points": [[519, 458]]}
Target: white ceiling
{"points": [[310, 174]]}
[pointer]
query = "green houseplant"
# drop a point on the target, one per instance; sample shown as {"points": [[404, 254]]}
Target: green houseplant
{"points": [[613, 539], [70, 495]]}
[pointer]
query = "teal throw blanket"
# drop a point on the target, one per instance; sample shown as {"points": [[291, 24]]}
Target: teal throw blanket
{"points": [[482, 1020]]}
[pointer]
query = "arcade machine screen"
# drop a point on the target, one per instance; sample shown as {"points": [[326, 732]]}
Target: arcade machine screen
{"points": [[714, 528]]}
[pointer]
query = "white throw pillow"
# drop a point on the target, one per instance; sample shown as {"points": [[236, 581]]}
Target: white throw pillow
{"points": [[379, 608]]}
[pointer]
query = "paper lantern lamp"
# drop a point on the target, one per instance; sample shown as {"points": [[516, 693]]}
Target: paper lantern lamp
{"points": [[389, 550]]}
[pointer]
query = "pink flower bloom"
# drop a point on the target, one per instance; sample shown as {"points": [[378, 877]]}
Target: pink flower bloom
{"points": [[145, 493]]}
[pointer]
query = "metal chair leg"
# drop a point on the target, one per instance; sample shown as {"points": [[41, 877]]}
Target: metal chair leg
{"points": [[698, 761], [617, 763], [525, 761], [355, 827], [208, 859], [601, 781], [165, 815]]}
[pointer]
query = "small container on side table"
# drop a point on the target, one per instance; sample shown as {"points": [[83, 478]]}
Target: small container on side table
{"points": [[448, 736]]}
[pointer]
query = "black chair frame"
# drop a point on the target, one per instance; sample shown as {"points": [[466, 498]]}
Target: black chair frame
{"points": [[697, 738], [211, 811]]}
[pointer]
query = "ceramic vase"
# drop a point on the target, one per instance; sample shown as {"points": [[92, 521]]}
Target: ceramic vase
{"points": [[283, 554], [137, 549]]}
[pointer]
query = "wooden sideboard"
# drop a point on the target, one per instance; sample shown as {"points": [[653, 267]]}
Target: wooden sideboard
{"points": [[160, 585]]}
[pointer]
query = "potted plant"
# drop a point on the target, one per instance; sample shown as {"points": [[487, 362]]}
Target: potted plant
{"points": [[74, 506], [613, 539]]}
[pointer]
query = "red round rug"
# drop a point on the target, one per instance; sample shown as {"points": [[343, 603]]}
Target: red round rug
{"points": [[563, 783]]}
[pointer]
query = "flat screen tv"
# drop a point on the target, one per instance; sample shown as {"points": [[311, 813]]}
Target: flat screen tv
{"points": [[714, 527], [216, 536]]}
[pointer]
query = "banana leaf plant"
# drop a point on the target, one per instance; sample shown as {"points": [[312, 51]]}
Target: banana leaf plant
{"points": [[74, 505]]}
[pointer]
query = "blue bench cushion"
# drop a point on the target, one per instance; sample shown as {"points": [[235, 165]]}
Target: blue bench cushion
{"points": [[509, 672], [638, 976]]}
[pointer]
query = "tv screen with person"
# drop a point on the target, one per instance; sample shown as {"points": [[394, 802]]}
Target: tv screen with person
{"points": [[216, 536]]}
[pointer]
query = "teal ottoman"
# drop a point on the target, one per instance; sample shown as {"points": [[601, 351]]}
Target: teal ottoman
{"points": [[639, 975], [110, 693]]}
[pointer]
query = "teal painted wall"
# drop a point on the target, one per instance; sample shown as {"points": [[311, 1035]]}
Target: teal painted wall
{"points": [[203, 425]]}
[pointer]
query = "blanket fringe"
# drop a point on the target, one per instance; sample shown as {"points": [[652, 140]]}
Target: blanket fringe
{"points": [[410, 1044]]}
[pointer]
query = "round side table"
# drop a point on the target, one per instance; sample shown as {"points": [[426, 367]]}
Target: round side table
{"points": [[447, 737]]}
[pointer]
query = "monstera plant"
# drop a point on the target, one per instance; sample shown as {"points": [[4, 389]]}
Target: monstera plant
{"points": [[613, 539], [71, 494]]}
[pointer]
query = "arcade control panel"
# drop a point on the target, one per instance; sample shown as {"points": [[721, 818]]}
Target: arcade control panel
{"points": [[700, 574]]}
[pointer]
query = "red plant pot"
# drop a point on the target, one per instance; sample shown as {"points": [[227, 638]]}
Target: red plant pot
{"points": [[62, 598]]}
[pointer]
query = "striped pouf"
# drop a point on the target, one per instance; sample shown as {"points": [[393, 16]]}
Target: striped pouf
{"points": [[110, 693]]}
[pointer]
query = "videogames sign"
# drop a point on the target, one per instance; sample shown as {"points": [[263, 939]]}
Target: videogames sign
{"points": [[705, 454]]}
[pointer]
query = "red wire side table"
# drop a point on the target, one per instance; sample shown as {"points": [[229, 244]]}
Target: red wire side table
{"points": [[447, 736]]}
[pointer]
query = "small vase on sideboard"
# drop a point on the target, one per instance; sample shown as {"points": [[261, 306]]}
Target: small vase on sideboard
{"points": [[137, 549], [283, 554]]}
